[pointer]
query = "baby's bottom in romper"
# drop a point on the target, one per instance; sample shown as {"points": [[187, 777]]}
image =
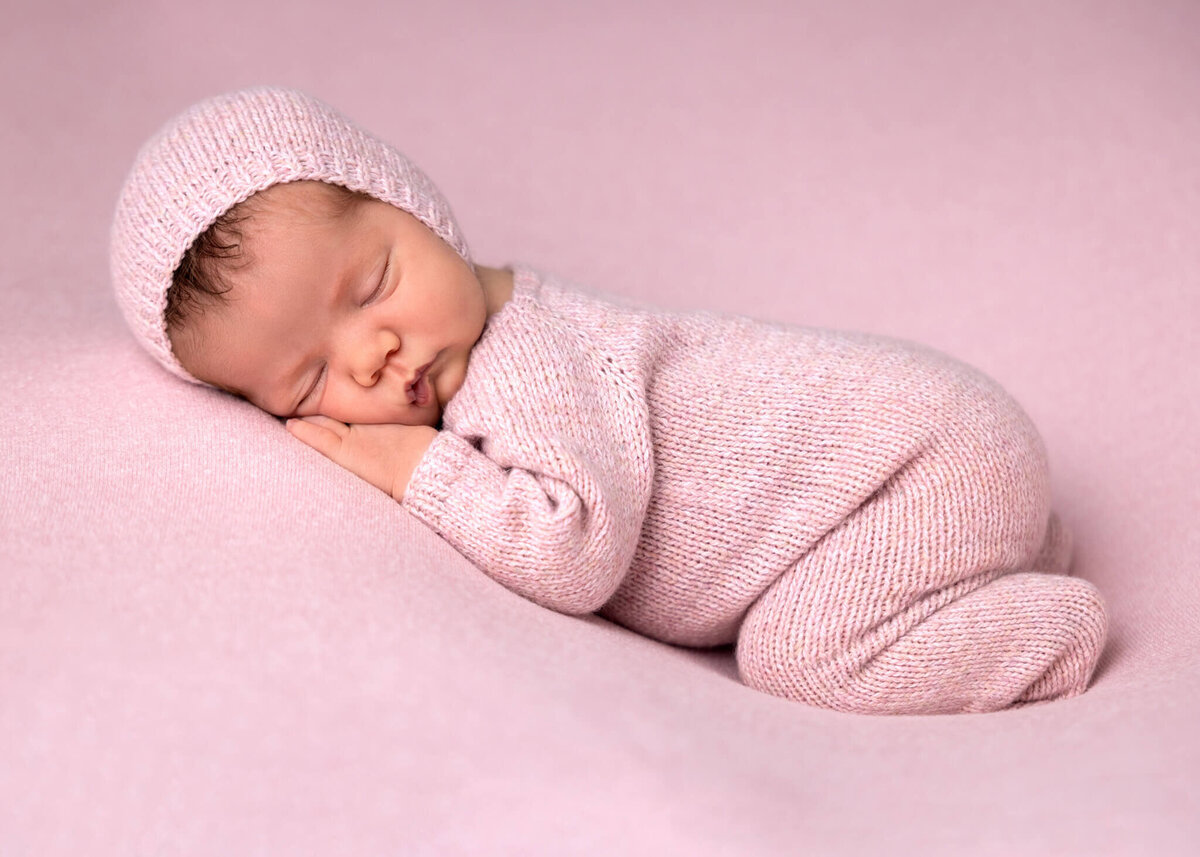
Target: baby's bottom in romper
{"points": [[946, 589]]}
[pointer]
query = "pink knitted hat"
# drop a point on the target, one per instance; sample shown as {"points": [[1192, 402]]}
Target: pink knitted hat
{"points": [[218, 153]]}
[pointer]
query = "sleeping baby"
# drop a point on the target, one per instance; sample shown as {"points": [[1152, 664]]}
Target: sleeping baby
{"points": [[866, 520]]}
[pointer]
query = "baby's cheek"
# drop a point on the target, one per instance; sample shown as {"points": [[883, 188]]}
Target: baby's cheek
{"points": [[450, 382]]}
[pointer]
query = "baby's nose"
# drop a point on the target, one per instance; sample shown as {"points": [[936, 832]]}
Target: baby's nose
{"points": [[371, 357], [363, 376]]}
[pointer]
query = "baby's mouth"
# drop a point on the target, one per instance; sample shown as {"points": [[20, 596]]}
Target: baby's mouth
{"points": [[418, 391]]}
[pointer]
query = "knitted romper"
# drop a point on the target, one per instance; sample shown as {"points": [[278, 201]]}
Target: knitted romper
{"points": [[866, 519]]}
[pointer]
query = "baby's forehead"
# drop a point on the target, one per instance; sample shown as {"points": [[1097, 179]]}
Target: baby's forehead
{"points": [[310, 198], [269, 215]]}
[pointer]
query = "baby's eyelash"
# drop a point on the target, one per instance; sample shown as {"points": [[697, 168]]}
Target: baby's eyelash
{"points": [[316, 386], [380, 287]]}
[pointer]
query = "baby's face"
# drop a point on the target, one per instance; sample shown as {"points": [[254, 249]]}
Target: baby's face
{"points": [[366, 317]]}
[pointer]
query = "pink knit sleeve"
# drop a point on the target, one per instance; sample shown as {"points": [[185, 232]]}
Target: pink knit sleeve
{"points": [[543, 479]]}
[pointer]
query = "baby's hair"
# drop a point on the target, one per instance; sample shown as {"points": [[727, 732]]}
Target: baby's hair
{"points": [[202, 277]]}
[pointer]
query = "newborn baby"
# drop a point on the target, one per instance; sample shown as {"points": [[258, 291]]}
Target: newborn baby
{"points": [[866, 520]]}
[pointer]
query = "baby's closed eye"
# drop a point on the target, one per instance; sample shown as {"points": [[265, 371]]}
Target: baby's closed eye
{"points": [[381, 286]]}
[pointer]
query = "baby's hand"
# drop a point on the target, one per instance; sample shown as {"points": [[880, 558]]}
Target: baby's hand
{"points": [[385, 455]]}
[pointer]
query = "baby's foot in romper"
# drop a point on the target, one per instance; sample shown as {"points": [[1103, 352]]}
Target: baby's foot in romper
{"points": [[1023, 637], [1077, 614]]}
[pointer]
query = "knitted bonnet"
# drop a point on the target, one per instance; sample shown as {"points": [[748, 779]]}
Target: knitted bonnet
{"points": [[215, 155]]}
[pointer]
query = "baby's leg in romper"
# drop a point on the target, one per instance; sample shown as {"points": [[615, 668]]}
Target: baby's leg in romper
{"points": [[937, 593]]}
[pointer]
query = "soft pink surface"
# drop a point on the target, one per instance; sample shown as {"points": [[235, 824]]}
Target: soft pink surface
{"points": [[213, 641]]}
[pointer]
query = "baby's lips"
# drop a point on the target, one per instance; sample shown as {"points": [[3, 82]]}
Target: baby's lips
{"points": [[418, 389]]}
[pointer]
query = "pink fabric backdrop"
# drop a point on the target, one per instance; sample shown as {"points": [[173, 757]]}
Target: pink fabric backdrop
{"points": [[213, 641]]}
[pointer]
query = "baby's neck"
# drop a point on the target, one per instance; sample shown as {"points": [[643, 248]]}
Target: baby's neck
{"points": [[497, 286]]}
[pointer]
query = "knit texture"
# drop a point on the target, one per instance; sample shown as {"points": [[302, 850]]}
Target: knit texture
{"points": [[220, 152], [868, 520]]}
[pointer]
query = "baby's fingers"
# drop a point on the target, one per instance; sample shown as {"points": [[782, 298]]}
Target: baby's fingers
{"points": [[321, 433], [338, 428]]}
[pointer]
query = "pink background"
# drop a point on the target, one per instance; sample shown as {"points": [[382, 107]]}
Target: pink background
{"points": [[213, 641]]}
